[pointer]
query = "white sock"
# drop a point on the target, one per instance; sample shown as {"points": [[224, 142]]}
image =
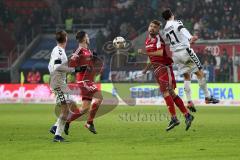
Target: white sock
{"points": [[57, 122], [60, 127], [187, 90], [203, 86]]}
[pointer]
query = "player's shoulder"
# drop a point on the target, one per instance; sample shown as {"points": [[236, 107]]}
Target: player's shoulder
{"points": [[77, 51], [58, 50], [158, 37], [178, 22], [54, 49], [147, 39]]}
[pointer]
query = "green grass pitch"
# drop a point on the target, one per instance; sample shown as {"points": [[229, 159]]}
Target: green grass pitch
{"points": [[125, 133]]}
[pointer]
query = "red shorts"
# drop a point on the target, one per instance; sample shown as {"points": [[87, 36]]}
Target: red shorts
{"points": [[87, 89], [165, 78]]}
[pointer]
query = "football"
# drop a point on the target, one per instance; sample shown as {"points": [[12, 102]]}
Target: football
{"points": [[119, 42]]}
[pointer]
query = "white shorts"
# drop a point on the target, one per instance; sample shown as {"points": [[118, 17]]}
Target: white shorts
{"points": [[186, 61]]}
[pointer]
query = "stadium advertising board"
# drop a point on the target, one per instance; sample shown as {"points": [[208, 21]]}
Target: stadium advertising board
{"points": [[142, 94], [217, 48]]}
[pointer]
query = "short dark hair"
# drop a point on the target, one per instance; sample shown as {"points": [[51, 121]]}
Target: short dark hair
{"points": [[157, 22], [167, 14], [61, 36], [80, 36]]}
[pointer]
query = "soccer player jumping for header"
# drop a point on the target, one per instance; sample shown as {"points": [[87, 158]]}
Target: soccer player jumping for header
{"points": [[184, 56], [162, 66]]}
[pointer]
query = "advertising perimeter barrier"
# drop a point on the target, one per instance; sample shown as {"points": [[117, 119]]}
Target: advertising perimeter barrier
{"points": [[126, 93]]}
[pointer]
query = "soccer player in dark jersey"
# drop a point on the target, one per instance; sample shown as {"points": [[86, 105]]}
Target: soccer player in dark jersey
{"points": [[91, 96], [162, 67]]}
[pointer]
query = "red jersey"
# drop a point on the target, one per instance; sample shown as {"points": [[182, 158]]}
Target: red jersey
{"points": [[83, 57], [154, 44], [162, 64]]}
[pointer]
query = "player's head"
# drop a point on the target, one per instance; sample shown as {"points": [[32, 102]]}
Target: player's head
{"points": [[154, 27], [167, 14], [61, 37], [82, 37]]}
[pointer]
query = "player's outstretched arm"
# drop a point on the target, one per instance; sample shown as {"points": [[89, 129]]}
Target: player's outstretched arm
{"points": [[186, 33], [146, 68], [193, 39], [63, 68], [140, 51], [155, 53]]}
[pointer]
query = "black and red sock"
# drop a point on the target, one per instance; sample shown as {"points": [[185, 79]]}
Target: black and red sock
{"points": [[78, 112], [92, 112], [178, 101], [170, 104]]}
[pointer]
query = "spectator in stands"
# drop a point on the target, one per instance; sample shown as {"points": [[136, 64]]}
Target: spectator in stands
{"points": [[100, 40], [33, 76], [226, 65], [224, 73], [132, 55], [230, 66], [210, 69]]}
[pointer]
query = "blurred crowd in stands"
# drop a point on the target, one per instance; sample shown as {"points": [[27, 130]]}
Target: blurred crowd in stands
{"points": [[209, 19], [219, 68], [17, 17]]}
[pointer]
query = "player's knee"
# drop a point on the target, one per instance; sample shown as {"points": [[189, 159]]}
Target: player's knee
{"points": [[99, 101], [86, 105], [187, 76], [199, 74], [187, 88], [165, 93], [71, 105], [172, 93], [98, 96]]}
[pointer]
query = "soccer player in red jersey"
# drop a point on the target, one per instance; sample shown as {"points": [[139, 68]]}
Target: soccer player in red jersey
{"points": [[83, 59], [162, 67]]}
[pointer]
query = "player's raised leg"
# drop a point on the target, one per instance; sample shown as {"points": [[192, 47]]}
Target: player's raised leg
{"points": [[203, 85], [171, 109], [77, 113], [188, 92], [92, 113], [62, 120], [179, 103]]}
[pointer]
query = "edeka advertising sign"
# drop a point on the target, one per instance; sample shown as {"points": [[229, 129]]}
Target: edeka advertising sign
{"points": [[149, 94], [132, 94]]}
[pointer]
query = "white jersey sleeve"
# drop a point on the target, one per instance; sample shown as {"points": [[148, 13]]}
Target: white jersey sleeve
{"points": [[177, 35], [58, 68], [59, 61]]}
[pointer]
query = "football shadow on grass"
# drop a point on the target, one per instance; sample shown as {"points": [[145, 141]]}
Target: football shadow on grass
{"points": [[109, 103]]}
